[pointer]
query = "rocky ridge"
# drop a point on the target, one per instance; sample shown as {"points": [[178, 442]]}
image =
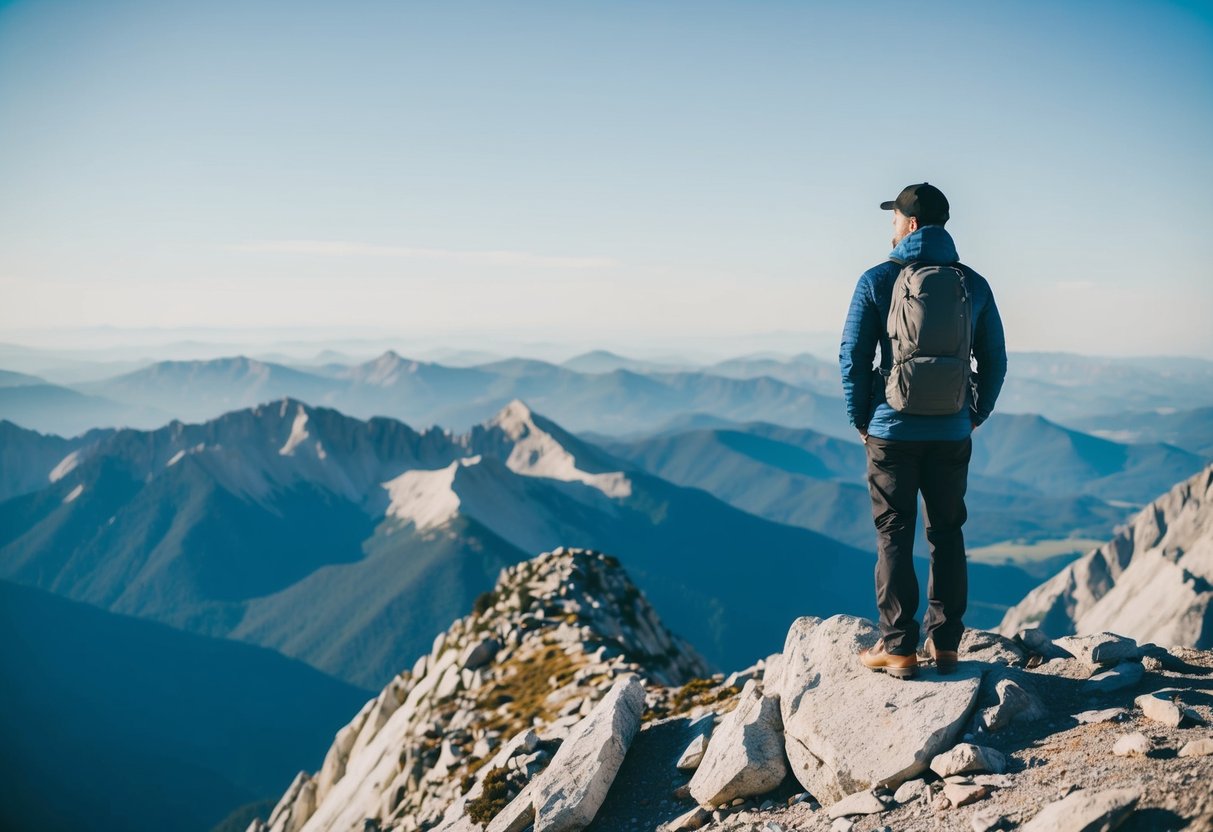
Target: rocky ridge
{"points": [[492, 701], [562, 704], [1153, 581]]}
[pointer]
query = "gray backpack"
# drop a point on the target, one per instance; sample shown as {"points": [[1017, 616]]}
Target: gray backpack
{"points": [[930, 326]]}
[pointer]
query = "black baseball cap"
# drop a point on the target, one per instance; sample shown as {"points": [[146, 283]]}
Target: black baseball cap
{"points": [[924, 201]]}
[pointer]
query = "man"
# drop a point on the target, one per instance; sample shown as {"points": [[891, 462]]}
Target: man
{"points": [[912, 452]]}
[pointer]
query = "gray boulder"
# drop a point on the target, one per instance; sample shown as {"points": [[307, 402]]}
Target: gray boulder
{"points": [[1100, 649], [745, 756], [847, 728], [571, 789], [1015, 703], [991, 648]]}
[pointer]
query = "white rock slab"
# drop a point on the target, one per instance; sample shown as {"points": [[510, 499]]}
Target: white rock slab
{"points": [[847, 728], [571, 789], [745, 756]]}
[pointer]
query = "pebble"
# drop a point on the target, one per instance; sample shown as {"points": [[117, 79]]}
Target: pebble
{"points": [[1133, 744], [1197, 748], [988, 820], [959, 794], [1106, 715], [1160, 707]]}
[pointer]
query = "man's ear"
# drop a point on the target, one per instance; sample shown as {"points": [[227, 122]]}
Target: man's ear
{"points": [[913, 224]]}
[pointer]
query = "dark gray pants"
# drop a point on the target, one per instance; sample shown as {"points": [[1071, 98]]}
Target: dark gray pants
{"points": [[897, 471]]}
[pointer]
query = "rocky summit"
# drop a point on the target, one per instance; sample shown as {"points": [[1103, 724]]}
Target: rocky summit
{"points": [[1153, 581], [561, 704]]}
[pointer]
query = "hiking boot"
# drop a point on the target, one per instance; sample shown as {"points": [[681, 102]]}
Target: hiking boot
{"points": [[877, 658], [945, 660]]}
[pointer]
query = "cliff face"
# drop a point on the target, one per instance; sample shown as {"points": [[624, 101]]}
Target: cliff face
{"points": [[562, 704], [1153, 581]]}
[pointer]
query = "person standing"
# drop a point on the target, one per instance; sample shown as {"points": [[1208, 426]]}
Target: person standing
{"points": [[915, 413]]}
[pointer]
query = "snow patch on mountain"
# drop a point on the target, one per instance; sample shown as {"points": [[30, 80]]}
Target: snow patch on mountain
{"points": [[536, 453], [425, 498], [65, 466], [299, 433]]}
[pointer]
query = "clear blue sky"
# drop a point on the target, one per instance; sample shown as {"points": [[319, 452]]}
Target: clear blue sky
{"points": [[606, 169]]}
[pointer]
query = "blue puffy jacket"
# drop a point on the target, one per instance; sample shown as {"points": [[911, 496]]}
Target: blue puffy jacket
{"points": [[863, 386]]}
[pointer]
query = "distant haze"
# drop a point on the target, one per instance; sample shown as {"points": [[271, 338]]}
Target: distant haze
{"points": [[629, 176]]}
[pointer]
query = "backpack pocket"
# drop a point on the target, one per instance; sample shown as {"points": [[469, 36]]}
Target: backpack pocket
{"points": [[927, 386]]}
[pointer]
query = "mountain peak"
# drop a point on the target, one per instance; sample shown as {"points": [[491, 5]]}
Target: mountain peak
{"points": [[515, 418], [385, 370], [513, 677], [1153, 581], [533, 445]]}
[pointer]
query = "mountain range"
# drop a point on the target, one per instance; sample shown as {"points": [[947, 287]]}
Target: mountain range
{"points": [[269, 524], [597, 391], [807, 479], [421, 393], [346, 543]]}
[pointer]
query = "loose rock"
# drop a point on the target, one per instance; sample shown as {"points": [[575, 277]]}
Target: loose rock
{"points": [[1085, 810], [1197, 748], [860, 803], [1121, 676], [967, 757], [1106, 715], [1014, 703], [575, 783], [691, 758], [745, 756], [687, 821], [1135, 744], [959, 794], [1161, 707], [988, 820], [1100, 649], [911, 790]]}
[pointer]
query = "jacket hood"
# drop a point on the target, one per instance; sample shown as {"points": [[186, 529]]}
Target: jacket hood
{"points": [[929, 244]]}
